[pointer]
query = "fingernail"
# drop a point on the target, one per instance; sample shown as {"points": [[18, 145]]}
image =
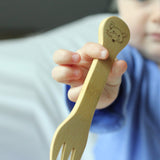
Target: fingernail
{"points": [[75, 57], [103, 54]]}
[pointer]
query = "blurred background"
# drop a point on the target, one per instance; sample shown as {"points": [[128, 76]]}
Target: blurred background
{"points": [[32, 104], [21, 17]]}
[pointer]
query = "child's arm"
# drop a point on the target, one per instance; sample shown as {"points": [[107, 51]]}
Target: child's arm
{"points": [[73, 67]]}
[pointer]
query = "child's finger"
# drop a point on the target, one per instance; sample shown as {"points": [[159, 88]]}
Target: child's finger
{"points": [[73, 93], [66, 57], [66, 74], [93, 50], [118, 68]]}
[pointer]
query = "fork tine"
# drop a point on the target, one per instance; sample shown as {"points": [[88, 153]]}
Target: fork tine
{"points": [[65, 152], [55, 148], [76, 155]]}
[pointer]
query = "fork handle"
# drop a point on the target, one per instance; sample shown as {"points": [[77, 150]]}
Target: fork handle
{"points": [[113, 35], [92, 88]]}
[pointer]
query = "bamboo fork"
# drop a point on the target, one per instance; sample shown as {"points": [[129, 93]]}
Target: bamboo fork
{"points": [[72, 133]]}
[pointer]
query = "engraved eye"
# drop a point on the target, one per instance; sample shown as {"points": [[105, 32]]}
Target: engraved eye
{"points": [[113, 40]]}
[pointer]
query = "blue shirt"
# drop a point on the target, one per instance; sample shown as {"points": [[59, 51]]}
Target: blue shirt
{"points": [[129, 129]]}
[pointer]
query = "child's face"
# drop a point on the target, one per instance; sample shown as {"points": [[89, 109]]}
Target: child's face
{"points": [[143, 19]]}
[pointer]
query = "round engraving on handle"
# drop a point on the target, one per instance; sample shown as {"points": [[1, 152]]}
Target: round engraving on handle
{"points": [[115, 33]]}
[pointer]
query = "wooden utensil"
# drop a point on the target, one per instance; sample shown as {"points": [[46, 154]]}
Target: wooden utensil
{"points": [[72, 133]]}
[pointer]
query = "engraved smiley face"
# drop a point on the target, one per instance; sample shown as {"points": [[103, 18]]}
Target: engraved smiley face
{"points": [[115, 33]]}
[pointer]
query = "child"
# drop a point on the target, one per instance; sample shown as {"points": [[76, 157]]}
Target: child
{"points": [[127, 117]]}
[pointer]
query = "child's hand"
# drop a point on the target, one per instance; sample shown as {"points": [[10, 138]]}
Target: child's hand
{"points": [[73, 67]]}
